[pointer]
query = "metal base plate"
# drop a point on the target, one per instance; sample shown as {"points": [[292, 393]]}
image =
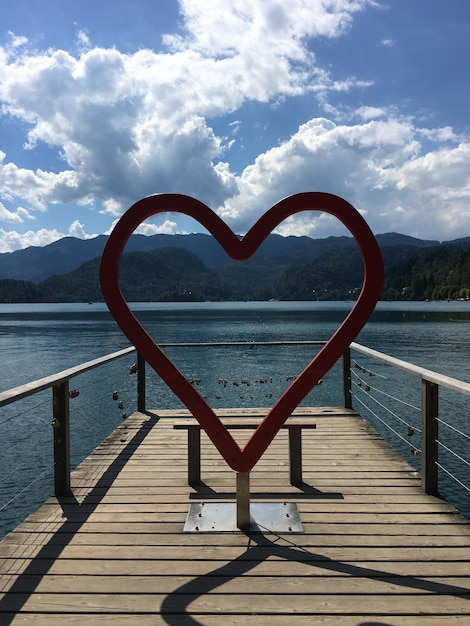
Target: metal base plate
{"points": [[265, 517]]}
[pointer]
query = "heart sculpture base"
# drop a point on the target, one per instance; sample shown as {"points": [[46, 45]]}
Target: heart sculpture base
{"points": [[242, 459], [265, 517]]}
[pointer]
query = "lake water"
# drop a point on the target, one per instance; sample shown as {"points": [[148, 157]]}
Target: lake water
{"points": [[42, 339]]}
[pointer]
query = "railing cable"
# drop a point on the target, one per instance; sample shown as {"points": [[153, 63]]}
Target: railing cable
{"points": [[452, 476], [98, 381], [389, 411], [17, 442], [16, 496], [32, 408], [384, 422], [466, 435], [453, 453], [387, 395]]}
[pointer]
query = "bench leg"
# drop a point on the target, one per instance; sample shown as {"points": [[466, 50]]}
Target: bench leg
{"points": [[243, 500], [194, 456], [295, 455]]}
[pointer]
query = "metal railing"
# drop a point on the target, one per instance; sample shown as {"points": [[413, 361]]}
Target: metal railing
{"points": [[430, 382], [60, 385]]}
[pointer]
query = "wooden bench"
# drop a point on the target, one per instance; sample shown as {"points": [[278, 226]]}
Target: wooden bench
{"points": [[294, 425]]}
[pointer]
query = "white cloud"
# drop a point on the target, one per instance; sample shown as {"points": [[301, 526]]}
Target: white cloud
{"points": [[12, 240], [77, 229], [444, 174], [18, 216], [378, 166], [438, 134], [235, 127], [36, 187], [369, 113], [17, 41], [84, 39], [223, 27], [168, 227], [128, 125], [112, 207]]}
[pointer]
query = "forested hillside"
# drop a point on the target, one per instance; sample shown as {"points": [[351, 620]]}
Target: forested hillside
{"points": [[440, 273], [175, 274], [20, 291], [167, 274]]}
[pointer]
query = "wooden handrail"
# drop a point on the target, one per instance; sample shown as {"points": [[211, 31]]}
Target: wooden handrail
{"points": [[433, 377], [430, 382], [61, 411], [29, 389]]}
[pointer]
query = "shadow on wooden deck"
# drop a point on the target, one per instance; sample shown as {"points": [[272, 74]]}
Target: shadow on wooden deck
{"points": [[41, 563], [259, 549]]}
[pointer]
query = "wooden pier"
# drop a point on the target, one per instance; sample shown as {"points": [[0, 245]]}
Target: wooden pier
{"points": [[375, 549]]}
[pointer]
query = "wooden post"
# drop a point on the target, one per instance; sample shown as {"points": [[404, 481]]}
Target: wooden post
{"points": [[243, 500], [347, 394], [429, 437], [194, 455], [61, 426], [141, 404], [295, 455]]}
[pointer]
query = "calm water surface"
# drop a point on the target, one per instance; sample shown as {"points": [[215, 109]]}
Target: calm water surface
{"points": [[38, 340]]}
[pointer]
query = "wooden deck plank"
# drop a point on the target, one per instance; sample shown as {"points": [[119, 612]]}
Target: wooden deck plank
{"points": [[455, 553], [374, 548], [205, 602], [173, 567], [38, 619], [147, 584]]}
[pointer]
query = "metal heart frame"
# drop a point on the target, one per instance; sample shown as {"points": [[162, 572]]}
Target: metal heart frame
{"points": [[242, 459]]}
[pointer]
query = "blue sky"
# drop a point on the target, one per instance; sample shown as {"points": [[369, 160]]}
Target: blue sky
{"points": [[238, 103]]}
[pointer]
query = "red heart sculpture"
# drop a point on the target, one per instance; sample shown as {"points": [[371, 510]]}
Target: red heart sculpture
{"points": [[242, 459]]}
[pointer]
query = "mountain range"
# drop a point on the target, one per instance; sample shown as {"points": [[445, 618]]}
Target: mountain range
{"points": [[36, 263], [194, 267]]}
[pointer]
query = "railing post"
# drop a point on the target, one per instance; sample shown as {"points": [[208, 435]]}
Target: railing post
{"points": [[347, 393], [429, 437], [61, 426], [141, 404]]}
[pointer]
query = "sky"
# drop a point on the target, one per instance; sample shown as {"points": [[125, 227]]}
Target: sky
{"points": [[238, 103]]}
